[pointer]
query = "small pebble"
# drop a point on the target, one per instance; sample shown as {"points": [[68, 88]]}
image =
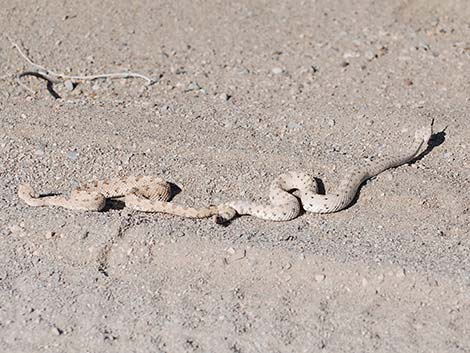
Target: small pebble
{"points": [[319, 277], [69, 85], [408, 82], [293, 125], [72, 155], [40, 151], [351, 54], [49, 235], [277, 70], [241, 70], [447, 155], [193, 86], [57, 331], [331, 122], [16, 229], [224, 97], [401, 273], [369, 55]]}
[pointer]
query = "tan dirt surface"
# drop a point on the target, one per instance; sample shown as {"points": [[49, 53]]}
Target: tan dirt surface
{"points": [[246, 90]]}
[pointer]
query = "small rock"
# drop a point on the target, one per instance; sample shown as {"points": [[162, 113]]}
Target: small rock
{"points": [[69, 85], [319, 277], [57, 331], [40, 151], [241, 70], [72, 155], [447, 155], [224, 97], [369, 55], [331, 122], [364, 282], [49, 235], [16, 229], [293, 125], [344, 64], [351, 54], [4, 232], [277, 71], [401, 273], [408, 82], [193, 86]]}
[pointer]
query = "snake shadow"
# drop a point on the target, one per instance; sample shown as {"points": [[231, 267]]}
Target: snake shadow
{"points": [[436, 140]]}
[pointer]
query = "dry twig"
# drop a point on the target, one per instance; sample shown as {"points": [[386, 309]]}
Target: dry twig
{"points": [[56, 77]]}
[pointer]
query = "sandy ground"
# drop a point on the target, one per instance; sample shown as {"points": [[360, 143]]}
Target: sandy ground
{"points": [[246, 90]]}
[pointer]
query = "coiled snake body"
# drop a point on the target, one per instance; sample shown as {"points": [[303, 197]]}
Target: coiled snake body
{"points": [[152, 194]]}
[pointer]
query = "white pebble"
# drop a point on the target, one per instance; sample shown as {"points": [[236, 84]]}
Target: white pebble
{"points": [[193, 86], [369, 55], [69, 85], [293, 125], [224, 97], [72, 155], [319, 277], [401, 273]]}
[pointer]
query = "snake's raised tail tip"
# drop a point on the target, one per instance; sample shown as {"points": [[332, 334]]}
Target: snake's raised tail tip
{"points": [[25, 190], [425, 133], [26, 193]]}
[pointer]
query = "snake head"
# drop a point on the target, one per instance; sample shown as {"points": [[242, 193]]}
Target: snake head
{"points": [[224, 214]]}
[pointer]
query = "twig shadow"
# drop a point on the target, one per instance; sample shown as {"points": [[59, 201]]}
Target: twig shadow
{"points": [[49, 84]]}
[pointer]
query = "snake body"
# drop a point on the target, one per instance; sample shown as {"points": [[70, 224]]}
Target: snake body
{"points": [[139, 192], [285, 206], [152, 194]]}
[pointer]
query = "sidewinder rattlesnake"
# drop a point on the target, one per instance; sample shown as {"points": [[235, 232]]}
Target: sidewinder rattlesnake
{"points": [[152, 194]]}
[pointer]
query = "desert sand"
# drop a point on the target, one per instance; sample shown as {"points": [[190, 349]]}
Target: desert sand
{"points": [[244, 91]]}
